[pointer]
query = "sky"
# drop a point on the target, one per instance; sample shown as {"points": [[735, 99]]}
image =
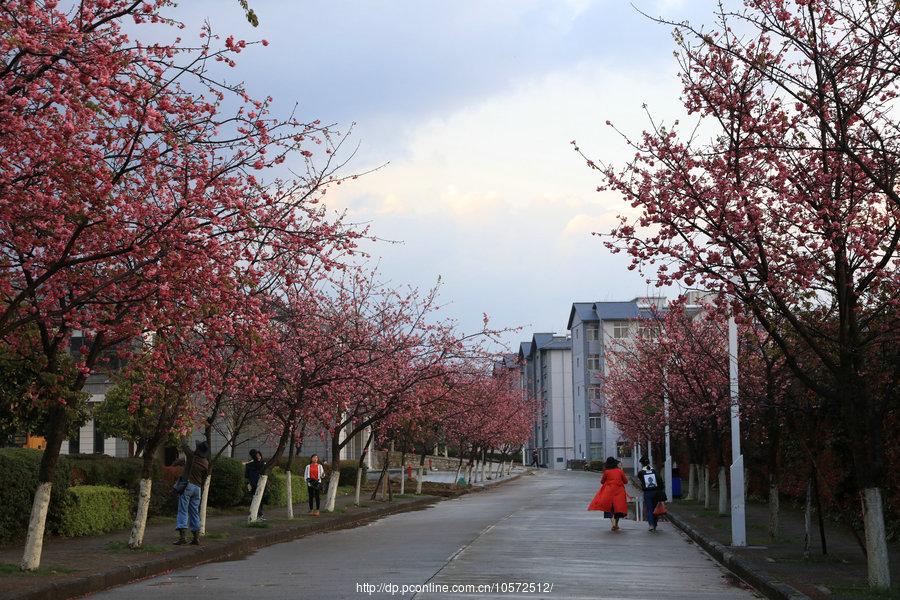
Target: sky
{"points": [[470, 107]]}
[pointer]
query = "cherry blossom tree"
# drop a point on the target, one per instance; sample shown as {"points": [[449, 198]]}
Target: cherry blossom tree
{"points": [[790, 204], [122, 192]]}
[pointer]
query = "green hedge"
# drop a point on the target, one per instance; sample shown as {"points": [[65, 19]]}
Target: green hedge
{"points": [[596, 465], [276, 488], [99, 469], [227, 486], [18, 481], [348, 475], [96, 509]]}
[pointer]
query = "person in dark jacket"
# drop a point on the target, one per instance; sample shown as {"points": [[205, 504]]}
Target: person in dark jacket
{"points": [[653, 488], [252, 471], [196, 467]]}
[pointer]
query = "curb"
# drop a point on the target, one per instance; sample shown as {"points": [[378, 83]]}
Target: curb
{"points": [[767, 585], [192, 557]]}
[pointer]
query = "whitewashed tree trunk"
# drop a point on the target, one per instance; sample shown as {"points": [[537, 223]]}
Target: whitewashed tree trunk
{"points": [[332, 490], [807, 520], [34, 543], [473, 473], [469, 475], [509, 467], [419, 474], [707, 500], [290, 494], [204, 500], [484, 467], [876, 539], [139, 525], [723, 491], [692, 482], [257, 499], [402, 480], [774, 509], [358, 484], [458, 471]]}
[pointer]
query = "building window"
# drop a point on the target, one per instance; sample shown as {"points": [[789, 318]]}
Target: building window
{"points": [[623, 449], [593, 392], [647, 332], [596, 421], [620, 329], [593, 333], [596, 451], [593, 362]]}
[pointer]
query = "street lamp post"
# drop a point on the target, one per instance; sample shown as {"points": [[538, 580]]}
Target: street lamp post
{"points": [[738, 520]]}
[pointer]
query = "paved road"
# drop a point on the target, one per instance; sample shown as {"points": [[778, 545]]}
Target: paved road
{"points": [[533, 530]]}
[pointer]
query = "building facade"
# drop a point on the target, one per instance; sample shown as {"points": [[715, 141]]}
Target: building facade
{"points": [[596, 328], [546, 366]]}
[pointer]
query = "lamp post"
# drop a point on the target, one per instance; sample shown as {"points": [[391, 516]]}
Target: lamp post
{"points": [[738, 520]]}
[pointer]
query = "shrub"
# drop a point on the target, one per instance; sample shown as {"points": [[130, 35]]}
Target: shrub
{"points": [[227, 486], [595, 465], [98, 469], [276, 488], [348, 475], [18, 481], [96, 509]]}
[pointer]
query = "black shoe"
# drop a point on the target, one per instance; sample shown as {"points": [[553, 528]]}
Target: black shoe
{"points": [[195, 539], [182, 538]]}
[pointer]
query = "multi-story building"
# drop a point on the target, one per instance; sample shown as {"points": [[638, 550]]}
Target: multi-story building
{"points": [[546, 363], [595, 328]]}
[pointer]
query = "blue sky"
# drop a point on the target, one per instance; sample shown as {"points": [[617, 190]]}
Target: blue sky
{"points": [[472, 104]]}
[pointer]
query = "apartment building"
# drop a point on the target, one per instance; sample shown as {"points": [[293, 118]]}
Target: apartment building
{"points": [[546, 364], [595, 328]]}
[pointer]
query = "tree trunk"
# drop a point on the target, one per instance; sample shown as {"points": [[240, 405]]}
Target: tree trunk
{"points": [[807, 519], [403, 472], [204, 500], [707, 497], [384, 468], [420, 474], [257, 499], [723, 491], [139, 525], [876, 539], [359, 466], [774, 508], [333, 481], [458, 471], [140, 518], [820, 514], [34, 541], [288, 477], [692, 482]]}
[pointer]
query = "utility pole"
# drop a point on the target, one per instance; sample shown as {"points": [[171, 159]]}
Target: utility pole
{"points": [[738, 518]]}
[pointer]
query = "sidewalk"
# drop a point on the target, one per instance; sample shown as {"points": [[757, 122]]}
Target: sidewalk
{"points": [[841, 575], [76, 566]]}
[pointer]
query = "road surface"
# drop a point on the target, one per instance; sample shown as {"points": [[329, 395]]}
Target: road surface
{"points": [[529, 538]]}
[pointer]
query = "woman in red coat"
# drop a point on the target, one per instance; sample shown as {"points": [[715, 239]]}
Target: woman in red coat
{"points": [[611, 498]]}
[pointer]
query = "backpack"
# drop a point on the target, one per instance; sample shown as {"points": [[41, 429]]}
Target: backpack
{"points": [[649, 479]]}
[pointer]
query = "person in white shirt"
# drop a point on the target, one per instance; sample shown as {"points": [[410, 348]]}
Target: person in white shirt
{"points": [[313, 475]]}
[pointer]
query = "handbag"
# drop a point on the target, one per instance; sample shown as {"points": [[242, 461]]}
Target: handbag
{"points": [[660, 509]]}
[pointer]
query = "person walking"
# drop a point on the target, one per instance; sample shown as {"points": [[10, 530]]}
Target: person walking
{"points": [[252, 472], [611, 497], [534, 458], [654, 490], [190, 484], [313, 475]]}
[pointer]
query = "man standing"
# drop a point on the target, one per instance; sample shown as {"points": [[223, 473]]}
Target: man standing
{"points": [[252, 471], [653, 488], [196, 466]]}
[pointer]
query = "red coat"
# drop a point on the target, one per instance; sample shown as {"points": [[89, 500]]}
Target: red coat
{"points": [[611, 497]]}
